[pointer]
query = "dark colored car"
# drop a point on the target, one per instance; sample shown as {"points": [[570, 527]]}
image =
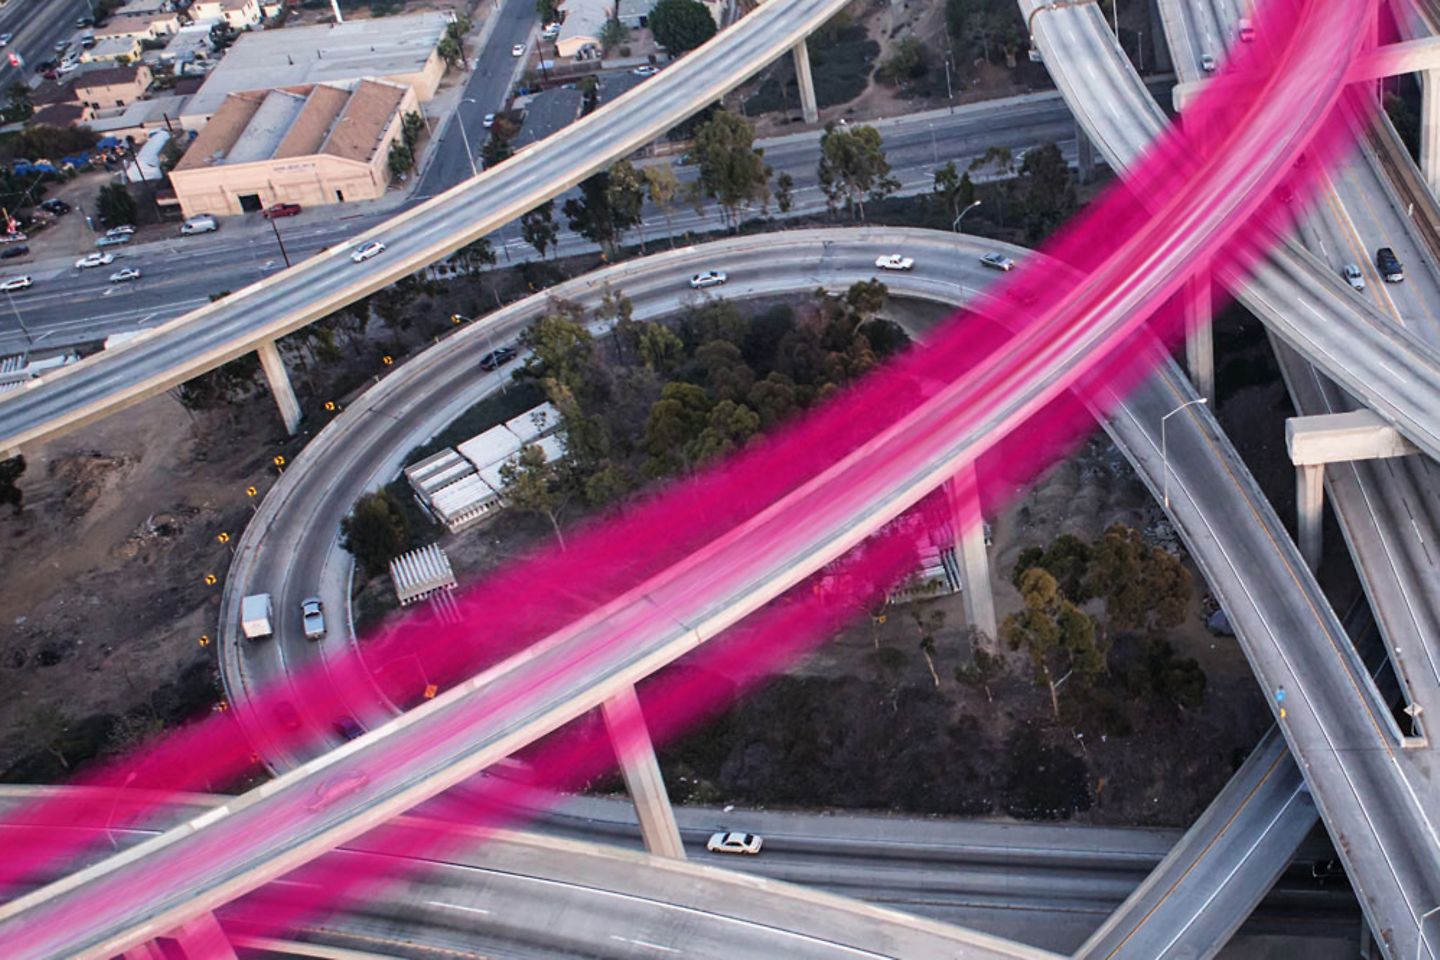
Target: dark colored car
{"points": [[57, 207], [1389, 265], [281, 210], [9, 253], [348, 728], [497, 358]]}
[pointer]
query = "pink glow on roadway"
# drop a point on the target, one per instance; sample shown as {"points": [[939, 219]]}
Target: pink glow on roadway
{"points": [[1131, 252]]}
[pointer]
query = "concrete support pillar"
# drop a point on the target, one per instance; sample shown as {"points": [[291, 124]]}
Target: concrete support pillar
{"points": [[149, 950], [1084, 155], [280, 387], [970, 548], [631, 740], [203, 939], [807, 83], [1430, 129], [1156, 33], [1199, 335], [1309, 511]]}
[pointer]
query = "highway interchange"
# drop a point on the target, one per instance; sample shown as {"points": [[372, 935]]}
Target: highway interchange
{"points": [[861, 266]]}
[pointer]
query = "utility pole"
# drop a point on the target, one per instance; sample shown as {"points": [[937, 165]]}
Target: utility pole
{"points": [[274, 226]]}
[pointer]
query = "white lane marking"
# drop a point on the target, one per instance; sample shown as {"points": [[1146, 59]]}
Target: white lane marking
{"points": [[455, 906], [643, 943]]}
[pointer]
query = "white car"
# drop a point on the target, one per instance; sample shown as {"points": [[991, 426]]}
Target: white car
{"points": [[1207, 63], [518, 50], [124, 230], [710, 278], [998, 261], [489, 121], [734, 842], [96, 259], [69, 66], [894, 262], [645, 70], [364, 252], [328, 793], [312, 612], [1353, 276], [125, 276], [15, 283], [551, 31], [5, 39]]}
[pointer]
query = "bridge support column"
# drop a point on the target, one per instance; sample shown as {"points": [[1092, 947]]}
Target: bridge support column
{"points": [[1084, 155], [280, 387], [1430, 129], [631, 740], [1199, 335], [150, 950], [1309, 512], [808, 104], [200, 939], [974, 560]]}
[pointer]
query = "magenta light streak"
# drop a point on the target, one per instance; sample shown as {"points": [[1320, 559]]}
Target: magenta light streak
{"points": [[1240, 145]]}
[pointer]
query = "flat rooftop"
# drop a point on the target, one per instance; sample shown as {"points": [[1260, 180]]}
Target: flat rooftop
{"points": [[548, 112], [328, 53]]}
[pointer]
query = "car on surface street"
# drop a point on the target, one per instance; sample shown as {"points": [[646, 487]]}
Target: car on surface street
{"points": [[336, 789], [998, 261], [645, 70], [15, 283], [312, 612], [497, 358], [489, 121], [732, 841], [125, 276], [96, 259], [57, 207], [1353, 276], [365, 251], [5, 39], [518, 50], [281, 210], [894, 262], [1389, 265], [710, 278]]}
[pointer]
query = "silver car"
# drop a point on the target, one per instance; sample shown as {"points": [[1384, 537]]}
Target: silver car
{"points": [[710, 278], [998, 261], [312, 613], [1353, 276]]}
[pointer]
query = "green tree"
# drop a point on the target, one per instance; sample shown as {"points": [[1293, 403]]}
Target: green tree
{"points": [[11, 471], [732, 171], [494, 151], [910, 61], [49, 727], [1145, 589], [1159, 671], [400, 160], [927, 624], [853, 166], [1046, 190], [592, 217], [613, 34], [625, 196], [1067, 559], [773, 399], [375, 532], [658, 347], [450, 50], [534, 484], [727, 375], [677, 418], [1054, 633], [539, 229], [727, 427], [116, 206], [561, 351], [663, 188], [18, 107], [784, 192], [681, 25], [476, 254], [953, 190], [957, 18], [865, 298], [548, 10], [410, 127]]}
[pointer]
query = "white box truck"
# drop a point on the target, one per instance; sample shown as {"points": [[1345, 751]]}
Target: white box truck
{"points": [[257, 616]]}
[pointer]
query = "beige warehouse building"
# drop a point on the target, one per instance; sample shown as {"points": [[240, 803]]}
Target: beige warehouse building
{"points": [[311, 144]]}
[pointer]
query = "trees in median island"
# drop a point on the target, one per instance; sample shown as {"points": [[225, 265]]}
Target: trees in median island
{"points": [[539, 229], [853, 167], [732, 171], [375, 532], [1047, 190], [625, 196], [663, 189], [681, 25]]}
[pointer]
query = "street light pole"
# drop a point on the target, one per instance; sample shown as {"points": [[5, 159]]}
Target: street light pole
{"points": [[934, 151], [1165, 448], [129, 779], [956, 225], [28, 339], [465, 137], [276, 228]]}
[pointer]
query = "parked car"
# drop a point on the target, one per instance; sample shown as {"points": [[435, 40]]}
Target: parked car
{"points": [[551, 31], [13, 238], [367, 250], [645, 70], [1389, 265], [200, 223], [489, 121], [57, 207], [734, 842], [998, 261], [10, 253], [312, 614], [894, 262], [710, 278], [518, 50], [112, 240], [124, 230], [1353, 276], [125, 276], [15, 283], [342, 786], [281, 210], [497, 358], [96, 259], [1207, 62]]}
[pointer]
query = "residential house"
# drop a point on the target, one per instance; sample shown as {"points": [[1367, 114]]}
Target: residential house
{"points": [[114, 86]]}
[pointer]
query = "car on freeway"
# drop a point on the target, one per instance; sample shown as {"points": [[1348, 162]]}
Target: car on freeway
{"points": [[281, 210], [15, 283], [112, 240], [894, 262], [57, 207], [998, 261], [5, 39], [10, 253], [645, 70], [125, 276], [1353, 276], [518, 50], [1245, 31], [96, 259], [328, 793], [367, 250], [733, 841], [312, 614], [497, 358], [710, 278], [489, 121], [286, 715], [347, 728], [1389, 265], [1207, 62]]}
